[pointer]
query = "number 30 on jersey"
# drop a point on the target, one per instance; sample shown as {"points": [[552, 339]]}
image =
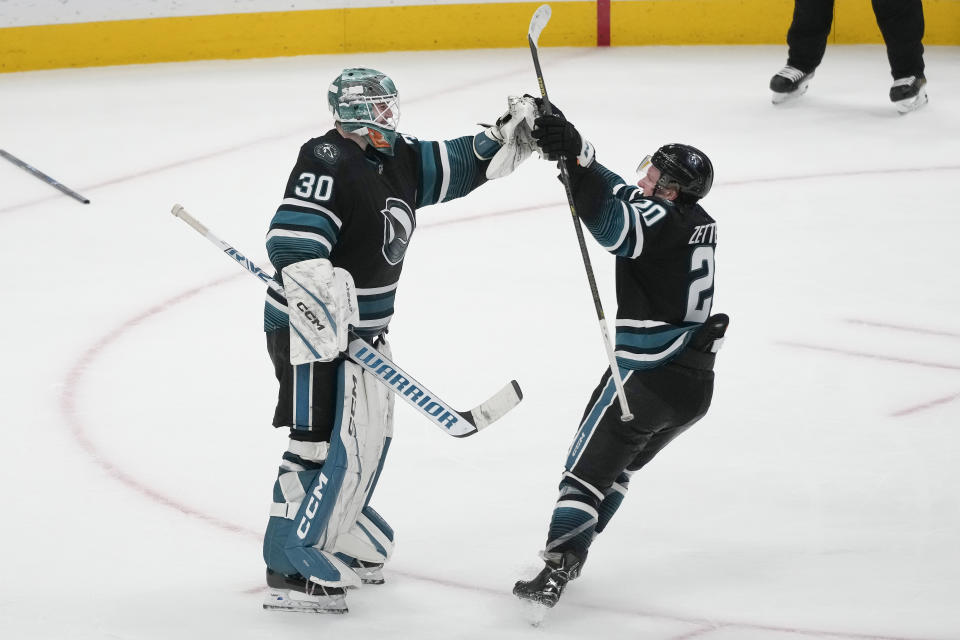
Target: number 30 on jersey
{"points": [[310, 185]]}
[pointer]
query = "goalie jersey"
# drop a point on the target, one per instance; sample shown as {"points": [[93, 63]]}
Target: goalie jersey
{"points": [[358, 208], [665, 264]]}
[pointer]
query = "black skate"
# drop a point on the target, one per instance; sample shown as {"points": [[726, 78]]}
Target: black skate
{"points": [[548, 585], [296, 593], [909, 94], [789, 83]]}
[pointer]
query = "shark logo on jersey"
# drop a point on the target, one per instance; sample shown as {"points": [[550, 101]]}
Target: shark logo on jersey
{"points": [[327, 152], [398, 225]]}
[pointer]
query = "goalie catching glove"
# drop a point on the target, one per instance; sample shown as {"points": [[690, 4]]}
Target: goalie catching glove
{"points": [[322, 304], [509, 142]]}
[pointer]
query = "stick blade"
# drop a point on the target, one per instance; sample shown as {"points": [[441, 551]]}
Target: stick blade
{"points": [[497, 406], [537, 23]]}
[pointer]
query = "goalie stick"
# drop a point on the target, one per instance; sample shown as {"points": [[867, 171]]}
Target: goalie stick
{"points": [[455, 423], [537, 23]]}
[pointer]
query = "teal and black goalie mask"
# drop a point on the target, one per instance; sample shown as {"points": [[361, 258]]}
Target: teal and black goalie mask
{"points": [[364, 102]]}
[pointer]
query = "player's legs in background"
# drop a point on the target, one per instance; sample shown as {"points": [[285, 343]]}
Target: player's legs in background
{"points": [[806, 43], [807, 35], [902, 25]]}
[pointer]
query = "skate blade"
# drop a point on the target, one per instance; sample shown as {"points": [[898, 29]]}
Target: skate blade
{"points": [[912, 104], [369, 576], [780, 98], [281, 600]]}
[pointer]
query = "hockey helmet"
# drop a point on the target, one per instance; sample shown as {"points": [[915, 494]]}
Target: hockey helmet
{"points": [[684, 168], [364, 102]]}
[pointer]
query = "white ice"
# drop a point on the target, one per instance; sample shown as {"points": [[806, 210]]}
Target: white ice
{"points": [[817, 499]]}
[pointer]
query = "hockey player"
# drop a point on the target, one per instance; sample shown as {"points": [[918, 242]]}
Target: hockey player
{"points": [[666, 339], [348, 213], [901, 24]]}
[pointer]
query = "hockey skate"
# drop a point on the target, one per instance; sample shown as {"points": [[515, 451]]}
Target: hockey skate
{"points": [[909, 94], [369, 572], [789, 83], [296, 593], [548, 585]]}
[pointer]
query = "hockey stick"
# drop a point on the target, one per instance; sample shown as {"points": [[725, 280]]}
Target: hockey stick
{"points": [[455, 423], [42, 176], [537, 23]]}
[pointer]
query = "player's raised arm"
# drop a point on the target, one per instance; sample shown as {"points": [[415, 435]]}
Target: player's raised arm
{"points": [[453, 168]]}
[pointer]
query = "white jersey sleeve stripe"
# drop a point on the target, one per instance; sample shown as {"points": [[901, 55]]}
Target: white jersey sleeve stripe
{"points": [[296, 202], [444, 171]]}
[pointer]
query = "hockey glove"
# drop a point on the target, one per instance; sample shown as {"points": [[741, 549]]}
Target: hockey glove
{"points": [[554, 109], [557, 137], [322, 303], [512, 134]]}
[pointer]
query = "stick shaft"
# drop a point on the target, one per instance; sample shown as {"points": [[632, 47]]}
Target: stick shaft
{"points": [[587, 265], [453, 422], [44, 177]]}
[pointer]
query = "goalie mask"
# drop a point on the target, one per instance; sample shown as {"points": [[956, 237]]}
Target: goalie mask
{"points": [[682, 167], [364, 102]]}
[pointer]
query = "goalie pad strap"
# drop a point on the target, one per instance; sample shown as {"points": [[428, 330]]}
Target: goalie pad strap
{"points": [[286, 510], [313, 451]]}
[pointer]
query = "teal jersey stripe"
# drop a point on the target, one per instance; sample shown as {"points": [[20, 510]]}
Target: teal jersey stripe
{"points": [[428, 175], [652, 338], [317, 221], [608, 226], [612, 179], [273, 318], [463, 167], [374, 307], [285, 251], [629, 357]]}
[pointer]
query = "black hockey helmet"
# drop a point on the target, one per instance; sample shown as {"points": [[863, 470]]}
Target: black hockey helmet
{"points": [[685, 168]]}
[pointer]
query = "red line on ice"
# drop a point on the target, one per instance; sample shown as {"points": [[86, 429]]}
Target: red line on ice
{"points": [[79, 431], [900, 327], [872, 356]]}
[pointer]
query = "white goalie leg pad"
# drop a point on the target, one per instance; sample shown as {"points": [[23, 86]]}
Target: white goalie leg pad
{"points": [[370, 539], [514, 131], [324, 568], [382, 399], [362, 434], [322, 305]]}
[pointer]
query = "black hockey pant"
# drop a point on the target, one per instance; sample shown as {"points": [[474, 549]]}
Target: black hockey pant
{"points": [[900, 22], [665, 402]]}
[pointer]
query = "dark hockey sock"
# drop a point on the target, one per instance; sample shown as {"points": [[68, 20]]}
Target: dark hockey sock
{"points": [[574, 519], [612, 499]]}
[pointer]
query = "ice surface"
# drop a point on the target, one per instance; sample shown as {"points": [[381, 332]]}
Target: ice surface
{"points": [[818, 498]]}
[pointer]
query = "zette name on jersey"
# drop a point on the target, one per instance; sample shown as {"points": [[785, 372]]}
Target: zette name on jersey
{"points": [[704, 234]]}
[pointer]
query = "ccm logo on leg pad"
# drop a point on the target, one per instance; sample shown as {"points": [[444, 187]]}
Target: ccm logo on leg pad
{"points": [[312, 505]]}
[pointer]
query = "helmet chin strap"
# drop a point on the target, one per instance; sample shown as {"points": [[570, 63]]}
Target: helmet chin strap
{"points": [[657, 189]]}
